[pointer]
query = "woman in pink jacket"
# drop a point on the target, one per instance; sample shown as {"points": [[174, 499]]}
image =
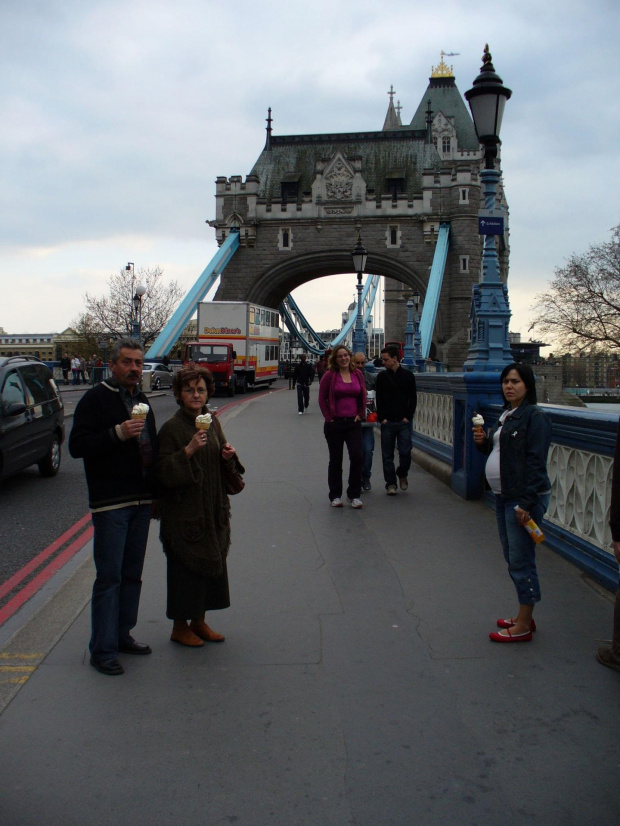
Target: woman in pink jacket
{"points": [[342, 399]]}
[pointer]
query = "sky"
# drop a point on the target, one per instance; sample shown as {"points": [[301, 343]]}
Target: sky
{"points": [[116, 117]]}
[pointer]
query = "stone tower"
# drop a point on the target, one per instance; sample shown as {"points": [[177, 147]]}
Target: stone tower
{"points": [[302, 205]]}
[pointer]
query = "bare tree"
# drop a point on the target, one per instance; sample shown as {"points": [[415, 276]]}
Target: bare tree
{"points": [[112, 315], [581, 309]]}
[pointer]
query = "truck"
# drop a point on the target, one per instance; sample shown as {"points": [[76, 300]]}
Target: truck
{"points": [[239, 341]]}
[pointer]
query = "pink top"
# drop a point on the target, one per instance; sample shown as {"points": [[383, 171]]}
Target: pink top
{"points": [[338, 398]]}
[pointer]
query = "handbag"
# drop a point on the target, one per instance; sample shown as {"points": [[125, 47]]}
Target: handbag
{"points": [[232, 476]]}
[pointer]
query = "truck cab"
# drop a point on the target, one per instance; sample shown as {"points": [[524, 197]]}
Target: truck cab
{"points": [[218, 358]]}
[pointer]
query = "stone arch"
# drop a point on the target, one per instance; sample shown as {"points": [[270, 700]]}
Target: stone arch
{"points": [[273, 285]]}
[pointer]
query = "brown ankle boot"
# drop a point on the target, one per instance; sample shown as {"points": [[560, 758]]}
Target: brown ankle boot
{"points": [[185, 636], [202, 630]]}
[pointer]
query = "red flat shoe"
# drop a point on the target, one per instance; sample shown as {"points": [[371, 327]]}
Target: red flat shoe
{"points": [[494, 636], [508, 623]]}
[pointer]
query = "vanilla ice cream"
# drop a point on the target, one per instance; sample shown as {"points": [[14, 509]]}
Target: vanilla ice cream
{"points": [[140, 411], [203, 422], [477, 421]]}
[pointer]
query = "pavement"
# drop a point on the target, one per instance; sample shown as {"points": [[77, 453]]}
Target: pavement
{"points": [[357, 684]]}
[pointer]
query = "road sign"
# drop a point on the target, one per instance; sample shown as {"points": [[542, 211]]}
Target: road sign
{"points": [[490, 226]]}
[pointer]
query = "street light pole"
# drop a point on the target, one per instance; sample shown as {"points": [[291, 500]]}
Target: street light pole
{"points": [[360, 256], [137, 305], [489, 350]]}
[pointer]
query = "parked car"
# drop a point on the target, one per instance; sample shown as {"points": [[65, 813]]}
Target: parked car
{"points": [[32, 415], [160, 375]]}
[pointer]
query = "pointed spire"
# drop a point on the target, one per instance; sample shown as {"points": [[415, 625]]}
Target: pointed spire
{"points": [[392, 119], [269, 122]]}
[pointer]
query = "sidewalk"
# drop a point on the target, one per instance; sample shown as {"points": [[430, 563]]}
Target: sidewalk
{"points": [[357, 684]]}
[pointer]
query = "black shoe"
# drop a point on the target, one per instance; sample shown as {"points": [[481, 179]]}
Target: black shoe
{"points": [[111, 667], [366, 484], [130, 646]]}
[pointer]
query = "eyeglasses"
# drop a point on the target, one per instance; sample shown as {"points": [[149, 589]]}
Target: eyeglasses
{"points": [[198, 391]]}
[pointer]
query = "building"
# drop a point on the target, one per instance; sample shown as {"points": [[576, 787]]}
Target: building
{"points": [[40, 345]]}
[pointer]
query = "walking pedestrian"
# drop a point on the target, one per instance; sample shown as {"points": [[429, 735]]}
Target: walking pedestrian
{"points": [[396, 403], [610, 656], [75, 369], [368, 425], [65, 366], [118, 452], [342, 399], [303, 377], [516, 471]]}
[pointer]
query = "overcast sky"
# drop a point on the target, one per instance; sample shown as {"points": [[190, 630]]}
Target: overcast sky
{"points": [[117, 116]]}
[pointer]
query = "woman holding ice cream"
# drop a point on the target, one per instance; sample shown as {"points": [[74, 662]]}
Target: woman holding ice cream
{"points": [[195, 511], [516, 471]]}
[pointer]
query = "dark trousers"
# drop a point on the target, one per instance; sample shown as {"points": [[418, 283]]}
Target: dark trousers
{"points": [[396, 435], [119, 546], [337, 434], [303, 397]]}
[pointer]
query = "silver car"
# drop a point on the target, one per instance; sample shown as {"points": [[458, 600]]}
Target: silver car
{"points": [[160, 375]]}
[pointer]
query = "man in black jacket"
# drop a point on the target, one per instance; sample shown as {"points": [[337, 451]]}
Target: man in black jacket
{"points": [[396, 404], [119, 455], [303, 376]]}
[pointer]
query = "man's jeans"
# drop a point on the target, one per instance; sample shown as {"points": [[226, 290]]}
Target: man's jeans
{"points": [[119, 547], [303, 397], [519, 547], [368, 446], [396, 434]]}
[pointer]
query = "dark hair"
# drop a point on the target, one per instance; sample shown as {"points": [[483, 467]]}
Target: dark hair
{"points": [[527, 377], [333, 358], [126, 343], [190, 373], [393, 352]]}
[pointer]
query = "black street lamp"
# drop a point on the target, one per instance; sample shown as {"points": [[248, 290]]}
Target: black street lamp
{"points": [[489, 350], [359, 256]]}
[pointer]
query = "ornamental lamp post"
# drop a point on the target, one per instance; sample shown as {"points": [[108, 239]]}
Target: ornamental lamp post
{"points": [[359, 256], [137, 314], [417, 338], [489, 350]]}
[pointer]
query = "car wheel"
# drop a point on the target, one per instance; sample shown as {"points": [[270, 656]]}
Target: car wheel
{"points": [[50, 465], [156, 384]]}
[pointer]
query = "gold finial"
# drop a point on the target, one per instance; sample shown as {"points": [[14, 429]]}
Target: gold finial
{"points": [[486, 57], [442, 70]]}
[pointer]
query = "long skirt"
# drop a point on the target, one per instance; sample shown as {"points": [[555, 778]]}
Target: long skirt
{"points": [[191, 594]]}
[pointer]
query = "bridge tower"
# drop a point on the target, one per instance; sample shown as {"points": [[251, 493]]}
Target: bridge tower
{"points": [[301, 207]]}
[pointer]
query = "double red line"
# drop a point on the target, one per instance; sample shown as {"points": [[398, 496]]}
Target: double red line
{"points": [[76, 533]]}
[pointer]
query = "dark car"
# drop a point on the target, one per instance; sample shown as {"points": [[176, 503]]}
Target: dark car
{"points": [[32, 426], [160, 375]]}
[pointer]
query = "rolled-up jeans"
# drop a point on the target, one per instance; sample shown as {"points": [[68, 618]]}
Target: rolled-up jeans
{"points": [[396, 435], [519, 547], [119, 546]]}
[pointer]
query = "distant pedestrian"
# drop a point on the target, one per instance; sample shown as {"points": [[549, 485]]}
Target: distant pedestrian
{"points": [[303, 377], [370, 419], [119, 460], [65, 366], [342, 399], [321, 367], [516, 471], [83, 370], [610, 656], [396, 404], [75, 369]]}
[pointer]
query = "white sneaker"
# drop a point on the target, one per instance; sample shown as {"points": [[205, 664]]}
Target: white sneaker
{"points": [[356, 503], [300, 412], [336, 503]]}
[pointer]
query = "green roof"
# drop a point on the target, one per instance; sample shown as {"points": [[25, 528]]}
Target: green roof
{"points": [[445, 97]]}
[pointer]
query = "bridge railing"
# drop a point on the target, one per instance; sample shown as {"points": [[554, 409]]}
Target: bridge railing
{"points": [[579, 463]]}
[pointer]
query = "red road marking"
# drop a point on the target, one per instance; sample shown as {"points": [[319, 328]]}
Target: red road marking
{"points": [[11, 583], [47, 573]]}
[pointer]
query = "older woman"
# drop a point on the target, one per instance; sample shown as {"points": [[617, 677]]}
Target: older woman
{"points": [[342, 399], [195, 511]]}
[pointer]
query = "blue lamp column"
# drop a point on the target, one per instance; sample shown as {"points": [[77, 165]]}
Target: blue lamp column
{"points": [[409, 350], [490, 313], [360, 256]]}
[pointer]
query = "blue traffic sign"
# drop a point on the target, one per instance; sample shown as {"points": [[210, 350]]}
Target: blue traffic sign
{"points": [[490, 226]]}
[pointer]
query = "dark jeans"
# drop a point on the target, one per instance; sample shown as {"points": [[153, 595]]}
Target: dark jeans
{"points": [[519, 547], [396, 434], [337, 434], [303, 397], [368, 446], [119, 546]]}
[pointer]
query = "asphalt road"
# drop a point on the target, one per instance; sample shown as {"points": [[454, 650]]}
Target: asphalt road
{"points": [[35, 511]]}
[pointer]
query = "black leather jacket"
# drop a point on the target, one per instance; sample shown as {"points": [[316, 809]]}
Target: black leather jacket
{"points": [[524, 444]]}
